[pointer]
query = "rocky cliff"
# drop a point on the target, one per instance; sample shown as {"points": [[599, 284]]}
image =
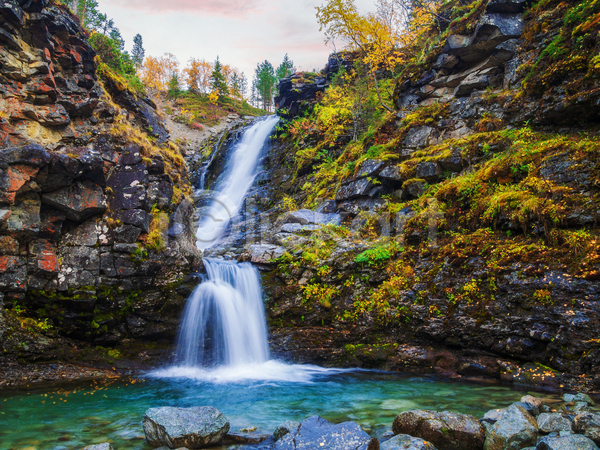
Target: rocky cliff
{"points": [[94, 216], [469, 238]]}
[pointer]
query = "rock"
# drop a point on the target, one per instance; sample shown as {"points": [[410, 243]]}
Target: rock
{"points": [[136, 217], [515, 429], [316, 432], [297, 228], [445, 430], [446, 61], [537, 402], [588, 424], [265, 253], [354, 189], [415, 187], [327, 207], [573, 442], [386, 436], [185, 427], [580, 406], [244, 438], [285, 428], [105, 446], [492, 416], [308, 217], [531, 409], [390, 176], [79, 201], [32, 155], [430, 171], [506, 6], [370, 168], [553, 422], [583, 398], [406, 442], [419, 137]]}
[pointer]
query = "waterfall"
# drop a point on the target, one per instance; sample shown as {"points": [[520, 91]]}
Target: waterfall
{"points": [[224, 321], [232, 186]]}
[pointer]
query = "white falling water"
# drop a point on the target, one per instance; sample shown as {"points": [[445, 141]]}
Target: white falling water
{"points": [[224, 321], [233, 185]]}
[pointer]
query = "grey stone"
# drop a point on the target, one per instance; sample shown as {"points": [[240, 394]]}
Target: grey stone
{"points": [[588, 424], [354, 189], [316, 433], [446, 61], [537, 402], [265, 253], [136, 217], [414, 187], [445, 430], [581, 406], [581, 397], [553, 422], [185, 427], [573, 442], [370, 167], [531, 409], [125, 248], [474, 81], [419, 137], [493, 415], [391, 176], [430, 171], [515, 429], [406, 442], [285, 428], [105, 446], [297, 228], [308, 217], [85, 234], [327, 207]]}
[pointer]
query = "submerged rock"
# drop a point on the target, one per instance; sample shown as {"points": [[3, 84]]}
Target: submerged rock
{"points": [[316, 433], [105, 446], [196, 427], [446, 430], [406, 442], [573, 442]]}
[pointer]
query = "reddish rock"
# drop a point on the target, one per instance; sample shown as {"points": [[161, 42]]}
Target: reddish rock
{"points": [[79, 201]]}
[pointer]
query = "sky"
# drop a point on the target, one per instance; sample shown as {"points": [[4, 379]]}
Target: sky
{"points": [[240, 32]]}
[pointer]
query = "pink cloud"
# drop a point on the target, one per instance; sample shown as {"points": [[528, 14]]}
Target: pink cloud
{"points": [[230, 8]]}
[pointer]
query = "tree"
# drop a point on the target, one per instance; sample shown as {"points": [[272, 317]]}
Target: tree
{"points": [[138, 52], [265, 83], [243, 86], [234, 87], [174, 87], [286, 68], [368, 34], [197, 75], [157, 72], [217, 80]]}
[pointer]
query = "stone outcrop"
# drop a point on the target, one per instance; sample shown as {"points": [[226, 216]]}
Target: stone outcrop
{"points": [[78, 194]]}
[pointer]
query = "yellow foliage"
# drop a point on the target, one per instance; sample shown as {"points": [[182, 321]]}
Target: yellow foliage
{"points": [[156, 72], [213, 97]]}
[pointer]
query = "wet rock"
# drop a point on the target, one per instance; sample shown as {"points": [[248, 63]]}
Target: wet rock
{"points": [[244, 438], [574, 398], [285, 428], [79, 201], [316, 432], [184, 427], [445, 430], [297, 228], [406, 442], [390, 176], [515, 429], [588, 424], [553, 422], [573, 442], [136, 217], [537, 402], [308, 217], [105, 446]]}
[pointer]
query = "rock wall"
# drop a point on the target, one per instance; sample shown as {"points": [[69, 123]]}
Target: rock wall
{"points": [[94, 221]]}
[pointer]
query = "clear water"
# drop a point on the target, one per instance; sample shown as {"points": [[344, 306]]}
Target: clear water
{"points": [[112, 410]]}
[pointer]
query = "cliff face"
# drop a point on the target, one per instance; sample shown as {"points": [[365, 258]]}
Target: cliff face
{"points": [[471, 216], [94, 221]]}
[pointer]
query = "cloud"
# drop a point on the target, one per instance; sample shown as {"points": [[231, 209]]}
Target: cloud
{"points": [[229, 8]]}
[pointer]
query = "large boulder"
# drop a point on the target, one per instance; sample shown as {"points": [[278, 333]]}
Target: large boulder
{"points": [[588, 424], [197, 427], [354, 189], [516, 429], [406, 442], [265, 253], [285, 428], [316, 433], [445, 430], [572, 442]]}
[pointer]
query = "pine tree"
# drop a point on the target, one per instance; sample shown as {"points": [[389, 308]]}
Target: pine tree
{"points": [[265, 83], [286, 68], [243, 86], [217, 79], [138, 53]]}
